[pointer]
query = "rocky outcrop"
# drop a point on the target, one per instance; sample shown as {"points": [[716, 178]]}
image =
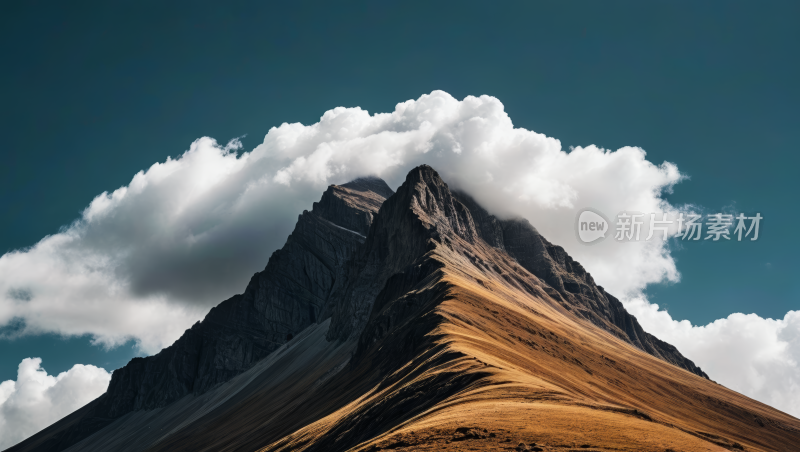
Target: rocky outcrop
{"points": [[423, 209], [354, 204]]}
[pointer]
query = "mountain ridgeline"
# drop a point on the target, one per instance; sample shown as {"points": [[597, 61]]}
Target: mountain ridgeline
{"points": [[383, 311]]}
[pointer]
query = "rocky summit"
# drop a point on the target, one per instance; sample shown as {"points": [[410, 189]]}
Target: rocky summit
{"points": [[417, 320]]}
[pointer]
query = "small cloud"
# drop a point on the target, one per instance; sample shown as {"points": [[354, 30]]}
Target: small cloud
{"points": [[36, 399]]}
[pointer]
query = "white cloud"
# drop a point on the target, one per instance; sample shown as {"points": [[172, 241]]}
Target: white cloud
{"points": [[755, 356], [36, 399], [149, 259]]}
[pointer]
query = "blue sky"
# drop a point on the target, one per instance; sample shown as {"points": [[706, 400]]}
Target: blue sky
{"points": [[92, 95]]}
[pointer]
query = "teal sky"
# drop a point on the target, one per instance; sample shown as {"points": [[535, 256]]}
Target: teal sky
{"points": [[90, 95]]}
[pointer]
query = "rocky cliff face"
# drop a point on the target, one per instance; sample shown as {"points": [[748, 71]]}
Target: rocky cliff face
{"points": [[288, 296], [422, 210]]}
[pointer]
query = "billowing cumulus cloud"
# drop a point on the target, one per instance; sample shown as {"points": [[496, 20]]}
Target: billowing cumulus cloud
{"points": [[147, 260], [36, 399]]}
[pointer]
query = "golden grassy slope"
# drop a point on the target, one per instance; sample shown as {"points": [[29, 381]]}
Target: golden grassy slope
{"points": [[525, 370]]}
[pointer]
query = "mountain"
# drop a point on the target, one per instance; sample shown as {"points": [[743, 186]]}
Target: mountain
{"points": [[417, 321]]}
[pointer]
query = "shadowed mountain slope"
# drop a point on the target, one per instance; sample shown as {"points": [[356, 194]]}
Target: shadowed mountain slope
{"points": [[450, 329], [279, 302]]}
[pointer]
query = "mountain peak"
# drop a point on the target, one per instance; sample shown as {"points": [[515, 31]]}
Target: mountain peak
{"points": [[415, 323], [422, 213], [431, 199], [370, 183]]}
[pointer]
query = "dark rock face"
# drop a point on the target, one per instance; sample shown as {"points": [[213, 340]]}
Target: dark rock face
{"points": [[279, 302], [354, 204], [489, 227], [570, 283], [423, 209]]}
